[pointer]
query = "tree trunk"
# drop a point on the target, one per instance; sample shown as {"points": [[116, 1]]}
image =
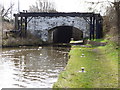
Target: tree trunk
{"points": [[117, 8]]}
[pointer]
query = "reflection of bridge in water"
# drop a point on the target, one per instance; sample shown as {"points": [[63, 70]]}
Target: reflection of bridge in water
{"points": [[59, 27]]}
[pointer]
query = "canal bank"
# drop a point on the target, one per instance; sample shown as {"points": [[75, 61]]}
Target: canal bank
{"points": [[100, 65]]}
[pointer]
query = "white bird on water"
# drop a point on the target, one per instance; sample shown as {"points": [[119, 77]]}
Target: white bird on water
{"points": [[39, 48], [40, 54]]}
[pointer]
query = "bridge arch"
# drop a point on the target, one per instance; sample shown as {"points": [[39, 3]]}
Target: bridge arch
{"points": [[63, 34], [43, 24]]}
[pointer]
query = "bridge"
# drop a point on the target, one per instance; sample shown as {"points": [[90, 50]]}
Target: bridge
{"points": [[59, 27]]}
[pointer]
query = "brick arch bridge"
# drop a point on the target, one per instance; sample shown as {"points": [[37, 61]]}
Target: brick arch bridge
{"points": [[41, 23]]}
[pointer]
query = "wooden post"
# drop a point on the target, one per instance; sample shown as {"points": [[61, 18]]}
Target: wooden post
{"points": [[93, 27], [25, 26], [101, 27], [21, 28], [97, 28], [90, 28], [16, 22]]}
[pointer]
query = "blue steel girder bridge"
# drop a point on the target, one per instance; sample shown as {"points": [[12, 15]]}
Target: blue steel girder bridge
{"points": [[24, 22]]}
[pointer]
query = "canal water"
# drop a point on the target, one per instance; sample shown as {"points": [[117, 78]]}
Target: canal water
{"points": [[32, 67]]}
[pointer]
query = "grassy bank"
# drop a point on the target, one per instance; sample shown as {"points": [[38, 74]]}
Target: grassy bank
{"points": [[15, 42], [15, 39], [100, 63]]}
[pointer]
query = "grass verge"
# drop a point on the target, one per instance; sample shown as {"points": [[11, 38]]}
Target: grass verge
{"points": [[101, 66]]}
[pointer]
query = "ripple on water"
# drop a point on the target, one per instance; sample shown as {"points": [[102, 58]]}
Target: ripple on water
{"points": [[30, 67]]}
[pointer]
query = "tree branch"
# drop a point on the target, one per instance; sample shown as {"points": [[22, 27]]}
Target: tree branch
{"points": [[6, 13]]}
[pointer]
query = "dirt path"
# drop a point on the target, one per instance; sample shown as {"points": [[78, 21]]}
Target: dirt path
{"points": [[108, 71]]}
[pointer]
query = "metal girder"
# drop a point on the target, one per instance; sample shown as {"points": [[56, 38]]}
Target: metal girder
{"points": [[87, 20], [29, 19], [57, 14]]}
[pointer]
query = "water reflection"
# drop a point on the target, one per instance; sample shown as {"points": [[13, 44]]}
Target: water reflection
{"points": [[32, 67]]}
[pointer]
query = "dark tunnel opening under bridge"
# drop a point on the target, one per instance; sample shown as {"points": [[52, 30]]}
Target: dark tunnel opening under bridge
{"points": [[63, 34]]}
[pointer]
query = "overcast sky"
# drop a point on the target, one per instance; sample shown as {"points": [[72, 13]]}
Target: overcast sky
{"points": [[61, 5]]}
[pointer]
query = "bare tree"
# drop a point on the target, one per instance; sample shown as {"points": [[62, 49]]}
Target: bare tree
{"points": [[112, 8], [5, 12], [111, 18], [113, 12], [42, 6], [99, 7], [117, 10]]}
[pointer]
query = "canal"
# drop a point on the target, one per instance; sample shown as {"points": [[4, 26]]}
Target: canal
{"points": [[32, 67]]}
